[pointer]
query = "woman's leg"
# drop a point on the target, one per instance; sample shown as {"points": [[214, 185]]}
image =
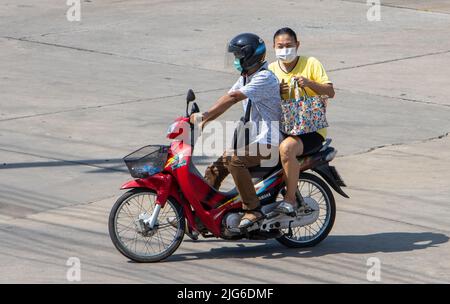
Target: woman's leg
{"points": [[289, 149]]}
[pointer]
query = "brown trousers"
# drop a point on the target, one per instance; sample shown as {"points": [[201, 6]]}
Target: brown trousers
{"points": [[237, 166]]}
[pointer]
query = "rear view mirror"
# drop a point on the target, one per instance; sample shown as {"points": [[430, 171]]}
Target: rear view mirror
{"points": [[190, 96], [194, 109]]}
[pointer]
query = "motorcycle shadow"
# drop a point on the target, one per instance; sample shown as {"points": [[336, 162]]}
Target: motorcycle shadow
{"points": [[389, 242]]}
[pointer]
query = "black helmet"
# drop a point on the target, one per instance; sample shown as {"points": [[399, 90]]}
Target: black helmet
{"points": [[249, 49]]}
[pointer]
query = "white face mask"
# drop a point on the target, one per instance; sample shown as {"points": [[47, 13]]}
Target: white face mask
{"points": [[286, 55]]}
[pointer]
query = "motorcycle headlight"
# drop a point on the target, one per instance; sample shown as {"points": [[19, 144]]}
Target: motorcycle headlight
{"points": [[172, 128]]}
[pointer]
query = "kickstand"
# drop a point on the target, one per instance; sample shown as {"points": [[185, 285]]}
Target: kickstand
{"points": [[289, 234]]}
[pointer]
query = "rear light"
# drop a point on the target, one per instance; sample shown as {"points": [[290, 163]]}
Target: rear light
{"points": [[330, 155]]}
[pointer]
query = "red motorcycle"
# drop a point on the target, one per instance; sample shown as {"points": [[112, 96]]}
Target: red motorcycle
{"points": [[169, 198]]}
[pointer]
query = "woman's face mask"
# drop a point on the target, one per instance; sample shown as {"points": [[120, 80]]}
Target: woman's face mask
{"points": [[286, 55]]}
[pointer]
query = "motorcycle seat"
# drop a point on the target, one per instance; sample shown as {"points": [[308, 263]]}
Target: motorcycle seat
{"points": [[264, 171], [325, 144]]}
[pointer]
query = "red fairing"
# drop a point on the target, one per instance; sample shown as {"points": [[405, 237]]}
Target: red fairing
{"points": [[161, 183], [196, 190], [179, 129]]}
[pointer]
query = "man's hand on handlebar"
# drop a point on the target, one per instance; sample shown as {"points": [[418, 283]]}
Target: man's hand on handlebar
{"points": [[197, 119]]}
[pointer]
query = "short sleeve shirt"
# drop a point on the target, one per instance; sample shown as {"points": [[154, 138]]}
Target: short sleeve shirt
{"points": [[308, 67], [263, 89]]}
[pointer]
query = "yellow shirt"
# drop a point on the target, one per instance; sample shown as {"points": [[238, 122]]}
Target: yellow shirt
{"points": [[308, 67]]}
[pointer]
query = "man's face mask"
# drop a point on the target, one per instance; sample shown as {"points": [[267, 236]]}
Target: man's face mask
{"points": [[286, 55], [237, 64]]}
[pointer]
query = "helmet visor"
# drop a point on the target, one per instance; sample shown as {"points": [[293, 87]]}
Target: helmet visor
{"points": [[229, 60], [237, 51]]}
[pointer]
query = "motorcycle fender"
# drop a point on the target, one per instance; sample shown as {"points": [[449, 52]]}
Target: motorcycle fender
{"points": [[161, 183], [164, 186], [330, 175]]}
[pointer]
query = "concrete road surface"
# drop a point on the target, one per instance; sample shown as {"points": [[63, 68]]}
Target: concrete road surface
{"points": [[75, 97]]}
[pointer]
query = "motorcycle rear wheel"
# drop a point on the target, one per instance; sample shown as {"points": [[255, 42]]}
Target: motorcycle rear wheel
{"points": [[300, 237], [158, 243]]}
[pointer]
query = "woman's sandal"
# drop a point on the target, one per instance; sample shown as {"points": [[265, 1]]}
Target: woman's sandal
{"points": [[250, 217], [286, 208]]}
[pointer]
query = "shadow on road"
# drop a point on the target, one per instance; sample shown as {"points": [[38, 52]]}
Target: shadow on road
{"points": [[353, 244], [102, 165], [115, 164]]}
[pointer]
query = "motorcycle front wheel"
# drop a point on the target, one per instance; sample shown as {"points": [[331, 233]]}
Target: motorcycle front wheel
{"points": [[312, 188], [137, 242]]}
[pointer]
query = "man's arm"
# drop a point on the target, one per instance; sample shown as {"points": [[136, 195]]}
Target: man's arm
{"points": [[221, 105]]}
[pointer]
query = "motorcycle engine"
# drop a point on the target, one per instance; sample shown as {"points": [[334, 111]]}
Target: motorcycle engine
{"points": [[231, 222]]}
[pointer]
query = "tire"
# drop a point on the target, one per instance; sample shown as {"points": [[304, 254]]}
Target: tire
{"points": [[123, 249], [331, 214]]}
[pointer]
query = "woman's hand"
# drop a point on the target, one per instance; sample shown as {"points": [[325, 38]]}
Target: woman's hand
{"points": [[318, 88], [284, 87], [303, 82]]}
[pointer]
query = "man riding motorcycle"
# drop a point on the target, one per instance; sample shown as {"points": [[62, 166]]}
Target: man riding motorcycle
{"points": [[258, 89], [169, 198]]}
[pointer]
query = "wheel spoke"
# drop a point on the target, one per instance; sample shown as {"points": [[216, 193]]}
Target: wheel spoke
{"points": [[127, 228], [311, 190], [152, 243]]}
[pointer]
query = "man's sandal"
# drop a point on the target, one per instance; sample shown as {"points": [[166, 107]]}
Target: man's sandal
{"points": [[250, 217]]}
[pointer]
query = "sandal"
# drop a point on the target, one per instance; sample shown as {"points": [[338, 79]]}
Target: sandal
{"points": [[286, 208], [250, 217]]}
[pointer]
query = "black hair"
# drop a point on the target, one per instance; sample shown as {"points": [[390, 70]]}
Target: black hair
{"points": [[285, 30]]}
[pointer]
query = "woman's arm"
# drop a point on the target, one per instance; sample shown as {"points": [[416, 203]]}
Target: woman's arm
{"points": [[319, 88]]}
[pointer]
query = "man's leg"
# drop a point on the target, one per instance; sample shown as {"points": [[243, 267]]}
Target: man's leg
{"points": [[238, 166]]}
